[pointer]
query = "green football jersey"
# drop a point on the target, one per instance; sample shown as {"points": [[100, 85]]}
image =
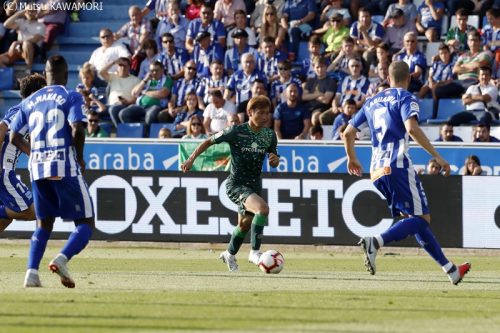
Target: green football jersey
{"points": [[248, 151]]}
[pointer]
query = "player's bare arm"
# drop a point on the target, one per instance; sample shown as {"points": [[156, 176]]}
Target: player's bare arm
{"points": [[21, 143], [419, 137], [78, 133], [186, 166], [353, 165]]}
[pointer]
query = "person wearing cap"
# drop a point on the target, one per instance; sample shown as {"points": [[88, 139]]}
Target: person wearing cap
{"points": [[292, 120], [171, 57], [232, 59], [225, 9], [206, 22], [206, 53], [240, 21], [397, 29], [334, 32]]}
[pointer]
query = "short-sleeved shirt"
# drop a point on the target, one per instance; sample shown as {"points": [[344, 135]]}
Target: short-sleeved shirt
{"points": [[204, 58], [324, 85], [29, 29], [155, 85], [385, 114], [248, 151], [121, 86], [441, 71], [9, 154], [414, 60], [277, 90], [241, 84], [182, 87], [292, 119], [478, 89], [426, 19], [467, 58], [491, 35], [52, 150], [215, 28], [173, 63], [298, 9], [350, 88], [376, 31], [455, 34], [218, 116], [210, 82], [232, 58], [133, 34]]}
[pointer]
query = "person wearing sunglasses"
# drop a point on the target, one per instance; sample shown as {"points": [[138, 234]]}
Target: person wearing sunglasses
{"points": [[171, 57], [93, 129], [285, 77], [195, 129]]}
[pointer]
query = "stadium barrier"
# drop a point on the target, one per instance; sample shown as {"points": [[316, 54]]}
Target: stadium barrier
{"points": [[305, 208]]}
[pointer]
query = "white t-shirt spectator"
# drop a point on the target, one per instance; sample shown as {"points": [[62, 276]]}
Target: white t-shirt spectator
{"points": [[473, 90], [28, 29], [218, 116], [121, 86], [101, 57]]}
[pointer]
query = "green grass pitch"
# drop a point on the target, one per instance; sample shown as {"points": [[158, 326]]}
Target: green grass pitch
{"points": [[133, 287]]}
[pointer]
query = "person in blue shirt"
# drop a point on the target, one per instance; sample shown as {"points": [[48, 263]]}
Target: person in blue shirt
{"points": [[415, 59], [16, 200], [446, 134], [392, 116], [56, 123], [298, 18], [292, 120]]}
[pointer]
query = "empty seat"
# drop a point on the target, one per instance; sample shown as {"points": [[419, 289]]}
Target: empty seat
{"points": [[426, 106], [130, 130], [446, 109]]}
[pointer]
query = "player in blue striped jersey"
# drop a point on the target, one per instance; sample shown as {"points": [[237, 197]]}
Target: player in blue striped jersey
{"points": [[392, 116], [16, 200], [55, 120]]}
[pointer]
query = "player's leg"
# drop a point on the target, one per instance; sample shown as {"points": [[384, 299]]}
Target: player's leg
{"points": [[75, 204], [45, 207], [255, 204], [16, 200], [237, 239]]}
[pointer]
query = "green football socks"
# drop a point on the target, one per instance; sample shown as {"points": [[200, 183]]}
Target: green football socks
{"points": [[236, 240], [257, 230]]}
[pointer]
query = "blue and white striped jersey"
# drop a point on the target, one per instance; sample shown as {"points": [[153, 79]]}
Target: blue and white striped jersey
{"points": [[9, 154], [47, 114], [385, 114]]}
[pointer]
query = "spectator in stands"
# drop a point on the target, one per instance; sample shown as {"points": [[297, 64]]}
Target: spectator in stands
{"points": [[217, 113], [232, 59], [367, 35], [381, 79], [271, 27], [174, 23], [415, 59], [93, 129], [136, 32], [440, 73], [491, 39], [30, 35], [240, 83], [259, 88], [106, 54], [348, 110], [195, 129], [397, 29], [158, 6], [374, 7], [354, 86], [277, 90], [54, 18], [472, 166], [172, 58], [258, 16], [383, 56], [189, 83], [480, 101], [466, 68], [334, 32], [89, 92], [482, 133], [429, 19], [233, 119], [292, 120], [193, 10], [151, 52], [334, 8], [339, 68], [225, 10], [446, 134], [240, 19], [298, 19], [206, 23], [151, 94], [318, 91], [433, 168], [216, 81], [164, 133], [409, 11], [188, 110], [316, 133], [206, 53], [120, 86], [267, 61], [456, 37], [314, 48]]}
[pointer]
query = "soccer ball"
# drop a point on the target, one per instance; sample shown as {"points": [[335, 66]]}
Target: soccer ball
{"points": [[271, 262]]}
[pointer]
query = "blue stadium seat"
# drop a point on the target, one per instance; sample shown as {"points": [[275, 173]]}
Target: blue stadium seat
{"points": [[130, 130], [446, 109], [426, 106], [303, 51], [154, 129]]}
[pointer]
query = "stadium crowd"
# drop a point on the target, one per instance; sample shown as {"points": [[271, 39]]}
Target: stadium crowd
{"points": [[193, 63]]}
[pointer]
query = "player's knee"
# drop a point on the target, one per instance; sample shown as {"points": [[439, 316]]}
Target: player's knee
{"points": [[263, 210]]}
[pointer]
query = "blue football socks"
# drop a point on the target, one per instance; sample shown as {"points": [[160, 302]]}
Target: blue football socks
{"points": [[38, 244], [429, 243], [404, 228], [77, 241]]}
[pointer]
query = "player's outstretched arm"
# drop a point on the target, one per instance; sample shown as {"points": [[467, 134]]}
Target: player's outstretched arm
{"points": [[186, 166], [414, 130], [353, 165], [17, 140]]}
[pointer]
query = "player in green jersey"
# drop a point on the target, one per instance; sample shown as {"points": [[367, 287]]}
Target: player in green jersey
{"points": [[250, 143]]}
